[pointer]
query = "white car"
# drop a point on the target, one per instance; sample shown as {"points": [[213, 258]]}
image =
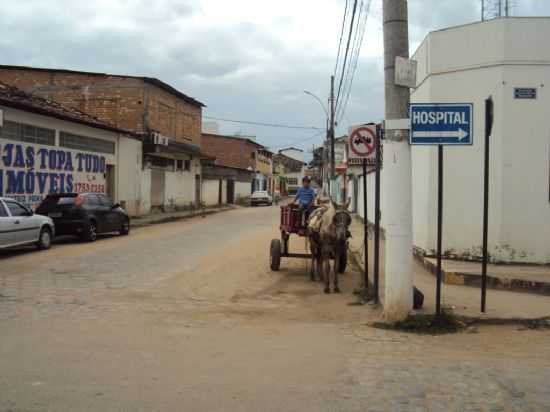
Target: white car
{"points": [[261, 197], [20, 226]]}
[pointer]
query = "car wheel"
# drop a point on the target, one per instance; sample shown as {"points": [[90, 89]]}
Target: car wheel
{"points": [[45, 239], [90, 234], [125, 228]]}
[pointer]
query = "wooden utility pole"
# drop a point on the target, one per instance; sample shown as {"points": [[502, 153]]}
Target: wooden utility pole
{"points": [[332, 159], [397, 199]]}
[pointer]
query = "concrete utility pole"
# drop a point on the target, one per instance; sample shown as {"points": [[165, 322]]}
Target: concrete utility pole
{"points": [[397, 196]]}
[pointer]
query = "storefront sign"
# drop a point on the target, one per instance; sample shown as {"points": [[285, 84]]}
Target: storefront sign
{"points": [[28, 172]]}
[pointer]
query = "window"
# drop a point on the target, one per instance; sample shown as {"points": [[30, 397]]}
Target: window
{"points": [[105, 200], [187, 165], [73, 141], [27, 133], [3, 212], [16, 209], [179, 164], [253, 155], [92, 200]]}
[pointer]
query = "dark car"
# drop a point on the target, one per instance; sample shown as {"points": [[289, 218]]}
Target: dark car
{"points": [[84, 215]]}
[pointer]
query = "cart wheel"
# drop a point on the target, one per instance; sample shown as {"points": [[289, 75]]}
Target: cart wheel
{"points": [[275, 254], [343, 263]]}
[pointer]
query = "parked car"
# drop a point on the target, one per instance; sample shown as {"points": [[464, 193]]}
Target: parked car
{"points": [[261, 197], [20, 226], [85, 215]]}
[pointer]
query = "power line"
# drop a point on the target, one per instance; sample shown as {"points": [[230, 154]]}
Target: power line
{"points": [[278, 125], [354, 50], [300, 141], [356, 58], [341, 36], [347, 50]]}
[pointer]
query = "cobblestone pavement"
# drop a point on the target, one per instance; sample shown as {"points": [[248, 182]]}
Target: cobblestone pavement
{"points": [[187, 316]]}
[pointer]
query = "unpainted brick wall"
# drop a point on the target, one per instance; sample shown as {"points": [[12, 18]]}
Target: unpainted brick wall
{"points": [[229, 151], [121, 101]]}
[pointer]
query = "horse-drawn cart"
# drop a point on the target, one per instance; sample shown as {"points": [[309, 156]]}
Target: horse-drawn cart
{"points": [[291, 223]]}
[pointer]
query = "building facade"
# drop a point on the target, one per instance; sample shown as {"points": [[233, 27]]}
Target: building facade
{"points": [[239, 161], [288, 173], [168, 122], [47, 148], [468, 64]]}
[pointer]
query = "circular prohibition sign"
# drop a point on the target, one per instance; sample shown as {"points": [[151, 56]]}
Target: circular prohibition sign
{"points": [[362, 141]]}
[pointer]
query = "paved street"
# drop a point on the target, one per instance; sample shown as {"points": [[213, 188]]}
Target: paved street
{"points": [[187, 316]]}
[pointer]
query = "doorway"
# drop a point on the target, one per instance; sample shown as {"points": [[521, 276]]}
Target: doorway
{"points": [[198, 190], [230, 191], [157, 188]]}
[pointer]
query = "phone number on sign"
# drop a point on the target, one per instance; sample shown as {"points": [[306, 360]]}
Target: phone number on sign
{"points": [[89, 188]]}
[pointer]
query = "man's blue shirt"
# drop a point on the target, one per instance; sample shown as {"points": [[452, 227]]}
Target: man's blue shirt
{"points": [[305, 195]]}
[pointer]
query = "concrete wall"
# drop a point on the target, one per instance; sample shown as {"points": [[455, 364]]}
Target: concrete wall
{"points": [[468, 64]]}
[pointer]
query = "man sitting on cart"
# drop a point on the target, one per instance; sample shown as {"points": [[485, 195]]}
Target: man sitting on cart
{"points": [[305, 196]]}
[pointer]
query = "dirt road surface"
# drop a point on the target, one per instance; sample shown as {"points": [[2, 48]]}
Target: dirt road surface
{"points": [[187, 316]]}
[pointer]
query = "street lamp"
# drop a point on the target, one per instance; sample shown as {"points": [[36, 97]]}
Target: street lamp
{"points": [[319, 100], [326, 113]]}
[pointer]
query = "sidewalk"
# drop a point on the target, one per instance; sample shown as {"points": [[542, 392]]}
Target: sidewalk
{"points": [[519, 278], [156, 218], [465, 301]]}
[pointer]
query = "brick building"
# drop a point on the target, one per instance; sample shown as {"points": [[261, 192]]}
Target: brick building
{"points": [[168, 121], [234, 153]]}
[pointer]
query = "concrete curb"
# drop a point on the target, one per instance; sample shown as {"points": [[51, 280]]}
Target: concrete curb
{"points": [[167, 218], [498, 283]]}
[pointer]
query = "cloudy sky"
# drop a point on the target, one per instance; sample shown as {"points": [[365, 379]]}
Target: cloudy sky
{"points": [[245, 59]]}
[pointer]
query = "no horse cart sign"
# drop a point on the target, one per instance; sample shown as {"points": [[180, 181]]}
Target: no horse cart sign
{"points": [[362, 145]]}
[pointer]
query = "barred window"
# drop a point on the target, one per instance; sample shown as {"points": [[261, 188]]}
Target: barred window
{"points": [[27, 133], [91, 144]]}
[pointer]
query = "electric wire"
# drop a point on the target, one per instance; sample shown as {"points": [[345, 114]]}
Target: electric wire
{"points": [[277, 125], [341, 36], [347, 51], [351, 60], [355, 60]]}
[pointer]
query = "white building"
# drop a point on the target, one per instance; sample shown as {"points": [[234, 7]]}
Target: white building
{"points": [[468, 64], [45, 147]]}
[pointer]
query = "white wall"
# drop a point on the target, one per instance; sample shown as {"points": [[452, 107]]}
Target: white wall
{"points": [[145, 192], [468, 64], [126, 160], [242, 189], [179, 186], [129, 165]]}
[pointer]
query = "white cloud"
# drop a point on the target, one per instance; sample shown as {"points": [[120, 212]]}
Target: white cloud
{"points": [[246, 59]]}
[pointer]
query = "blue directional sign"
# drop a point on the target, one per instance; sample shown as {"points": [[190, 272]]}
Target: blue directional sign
{"points": [[442, 124]]}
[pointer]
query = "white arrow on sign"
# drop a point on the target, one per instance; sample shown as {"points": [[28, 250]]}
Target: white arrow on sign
{"points": [[460, 134]]}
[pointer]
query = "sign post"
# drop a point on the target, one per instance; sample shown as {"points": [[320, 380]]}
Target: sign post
{"points": [[377, 214], [362, 144], [488, 128], [441, 124]]}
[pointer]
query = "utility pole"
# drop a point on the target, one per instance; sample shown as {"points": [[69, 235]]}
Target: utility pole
{"points": [[332, 160], [397, 199]]}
